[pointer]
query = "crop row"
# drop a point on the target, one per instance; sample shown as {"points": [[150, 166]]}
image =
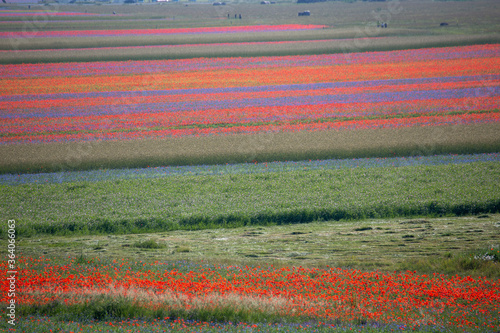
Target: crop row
{"points": [[205, 201], [282, 94], [132, 32], [33, 324], [242, 168], [161, 66], [332, 295], [192, 46], [347, 97]]}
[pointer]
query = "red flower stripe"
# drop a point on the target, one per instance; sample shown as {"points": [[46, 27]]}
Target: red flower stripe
{"points": [[138, 99], [252, 129], [331, 294], [251, 77], [161, 66], [251, 96]]}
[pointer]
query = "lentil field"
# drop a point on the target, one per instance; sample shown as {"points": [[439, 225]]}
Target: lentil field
{"points": [[185, 167]]}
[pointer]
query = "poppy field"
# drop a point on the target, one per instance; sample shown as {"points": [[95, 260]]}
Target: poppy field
{"points": [[180, 167], [283, 94], [230, 97], [243, 294]]}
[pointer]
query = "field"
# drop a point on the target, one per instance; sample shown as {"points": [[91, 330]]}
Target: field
{"points": [[185, 167]]}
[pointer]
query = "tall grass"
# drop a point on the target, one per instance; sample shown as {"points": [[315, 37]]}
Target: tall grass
{"points": [[147, 305], [483, 262], [202, 202], [459, 139], [239, 50], [187, 39], [479, 15]]}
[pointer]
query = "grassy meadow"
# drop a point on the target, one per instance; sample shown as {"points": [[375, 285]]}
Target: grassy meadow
{"points": [[205, 202], [427, 245], [372, 249], [214, 50], [418, 16]]}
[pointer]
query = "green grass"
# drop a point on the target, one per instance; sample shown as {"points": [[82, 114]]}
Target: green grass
{"points": [[204, 202], [411, 25], [238, 50], [148, 244], [448, 245], [477, 16], [102, 307], [46, 323], [186, 39], [454, 246]]}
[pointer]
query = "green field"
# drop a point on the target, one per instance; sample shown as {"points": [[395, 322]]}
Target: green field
{"points": [[427, 245], [201, 202], [213, 51], [418, 16], [412, 24]]}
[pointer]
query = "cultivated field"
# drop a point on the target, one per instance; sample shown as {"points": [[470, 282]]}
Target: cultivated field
{"points": [[174, 167]]}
